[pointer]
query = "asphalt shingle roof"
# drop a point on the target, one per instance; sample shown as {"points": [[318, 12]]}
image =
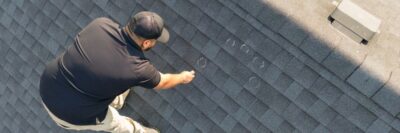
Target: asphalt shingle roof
{"points": [[262, 66]]}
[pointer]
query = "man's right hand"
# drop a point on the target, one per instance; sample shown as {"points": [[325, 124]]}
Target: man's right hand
{"points": [[171, 80], [187, 76]]}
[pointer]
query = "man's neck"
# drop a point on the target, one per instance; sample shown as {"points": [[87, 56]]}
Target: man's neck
{"points": [[134, 42]]}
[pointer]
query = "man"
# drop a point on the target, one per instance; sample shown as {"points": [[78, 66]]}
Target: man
{"points": [[82, 88]]}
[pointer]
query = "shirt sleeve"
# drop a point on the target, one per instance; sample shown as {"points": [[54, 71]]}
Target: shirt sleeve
{"points": [[148, 76]]}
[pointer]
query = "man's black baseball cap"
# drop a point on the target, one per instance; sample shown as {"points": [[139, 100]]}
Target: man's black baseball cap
{"points": [[148, 25]]}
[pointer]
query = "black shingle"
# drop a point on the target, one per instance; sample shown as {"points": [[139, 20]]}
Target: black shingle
{"points": [[14, 26], [271, 18], [175, 99], [192, 56], [96, 11], [169, 16], [210, 69], [316, 48], [234, 23], [6, 36], [61, 3], [282, 82], [345, 105], [225, 61], [293, 32], [229, 105], [254, 84], [241, 74], [207, 105], [285, 127], [16, 13], [239, 128], [305, 99], [189, 32], [245, 99], [341, 124], [306, 77], [322, 112], [183, 8], [169, 56], [20, 30], [177, 120], [146, 3], [263, 129], [16, 45], [83, 19], [258, 108], [282, 59], [6, 20], [210, 50], [127, 6], [172, 130], [293, 91], [51, 10], [339, 64], [196, 96], [218, 115], [213, 30], [40, 51], [253, 7], [205, 23], [42, 20], [273, 99], [179, 26], [305, 123], [244, 31], [241, 115], [200, 3], [379, 126], [294, 67], [258, 65], [213, 8], [188, 127], [252, 124], [224, 15], [231, 44], [203, 123], [192, 114], [329, 93], [219, 78], [362, 117], [38, 3], [204, 85], [216, 129], [84, 5], [28, 40], [228, 123], [200, 41], [244, 54], [195, 15]]}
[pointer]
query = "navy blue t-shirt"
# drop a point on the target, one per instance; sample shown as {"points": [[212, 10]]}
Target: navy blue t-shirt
{"points": [[102, 63]]}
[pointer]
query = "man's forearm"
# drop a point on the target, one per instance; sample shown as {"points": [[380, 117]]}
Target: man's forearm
{"points": [[171, 80]]}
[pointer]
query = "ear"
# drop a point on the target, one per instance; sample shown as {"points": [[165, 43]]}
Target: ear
{"points": [[146, 43]]}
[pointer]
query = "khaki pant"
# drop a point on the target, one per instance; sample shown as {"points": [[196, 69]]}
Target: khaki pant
{"points": [[113, 122]]}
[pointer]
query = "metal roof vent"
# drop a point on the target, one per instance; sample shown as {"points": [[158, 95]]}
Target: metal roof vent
{"points": [[354, 21]]}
